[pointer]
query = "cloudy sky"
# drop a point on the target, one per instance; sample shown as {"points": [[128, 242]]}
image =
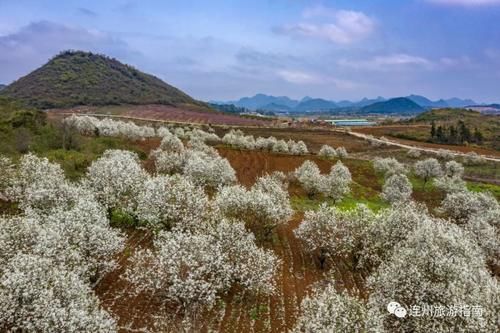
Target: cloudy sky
{"points": [[223, 50]]}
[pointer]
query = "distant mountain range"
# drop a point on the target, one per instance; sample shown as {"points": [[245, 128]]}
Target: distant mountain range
{"points": [[379, 105], [2, 86]]}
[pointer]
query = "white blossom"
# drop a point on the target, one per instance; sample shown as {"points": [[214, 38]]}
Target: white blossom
{"points": [[207, 170], [444, 154], [310, 178], [388, 228], [168, 162], [37, 295], [328, 311], [396, 188], [461, 205], [450, 184], [38, 184], [280, 147], [453, 169], [413, 153], [187, 268], [436, 265], [7, 174], [116, 178], [252, 267], [338, 181], [330, 232], [342, 152], [165, 202], [428, 169], [171, 143], [472, 158], [298, 148], [264, 206], [389, 166], [327, 152]]}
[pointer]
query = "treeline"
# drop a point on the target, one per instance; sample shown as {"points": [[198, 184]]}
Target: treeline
{"points": [[459, 134]]}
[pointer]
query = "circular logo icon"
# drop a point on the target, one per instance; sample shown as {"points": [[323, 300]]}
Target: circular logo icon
{"points": [[400, 312], [392, 306]]}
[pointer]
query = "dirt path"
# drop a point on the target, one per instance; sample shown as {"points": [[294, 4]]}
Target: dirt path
{"points": [[407, 146]]}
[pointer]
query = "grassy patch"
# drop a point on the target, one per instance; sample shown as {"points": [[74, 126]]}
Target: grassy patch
{"points": [[482, 187], [358, 195]]}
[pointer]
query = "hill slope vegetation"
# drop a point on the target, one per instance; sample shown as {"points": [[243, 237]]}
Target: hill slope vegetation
{"points": [[398, 105], [82, 78]]}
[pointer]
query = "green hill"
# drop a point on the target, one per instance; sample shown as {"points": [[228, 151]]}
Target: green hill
{"points": [[488, 125], [81, 78], [400, 105]]}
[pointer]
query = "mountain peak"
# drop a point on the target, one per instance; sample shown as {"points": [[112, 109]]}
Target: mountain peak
{"points": [[83, 78]]}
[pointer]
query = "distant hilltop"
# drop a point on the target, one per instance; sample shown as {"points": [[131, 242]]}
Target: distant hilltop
{"points": [[82, 78]]}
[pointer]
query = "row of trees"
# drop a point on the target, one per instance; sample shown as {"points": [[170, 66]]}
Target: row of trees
{"points": [[458, 134]]}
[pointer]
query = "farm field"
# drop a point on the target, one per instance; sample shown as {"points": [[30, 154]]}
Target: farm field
{"points": [[300, 272], [168, 113]]}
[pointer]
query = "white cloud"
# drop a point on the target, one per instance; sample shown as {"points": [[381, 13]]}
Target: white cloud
{"points": [[461, 62], [307, 78], [299, 77], [344, 26], [385, 62], [465, 2]]}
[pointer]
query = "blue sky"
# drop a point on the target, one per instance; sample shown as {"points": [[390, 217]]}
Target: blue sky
{"points": [[227, 49]]}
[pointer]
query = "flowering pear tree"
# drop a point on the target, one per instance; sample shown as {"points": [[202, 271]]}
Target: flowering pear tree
{"points": [[342, 152], [38, 295], [171, 143], [338, 181], [453, 169], [281, 147], [38, 184], [187, 268], [472, 158], [310, 178], [167, 202], [460, 206], [450, 184], [207, 170], [439, 256], [444, 154], [263, 207], [116, 179], [7, 173], [327, 151], [396, 188], [330, 311], [451, 180], [80, 238], [252, 267], [168, 162], [266, 144], [413, 153], [389, 166], [330, 232], [298, 148], [388, 228], [428, 169]]}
